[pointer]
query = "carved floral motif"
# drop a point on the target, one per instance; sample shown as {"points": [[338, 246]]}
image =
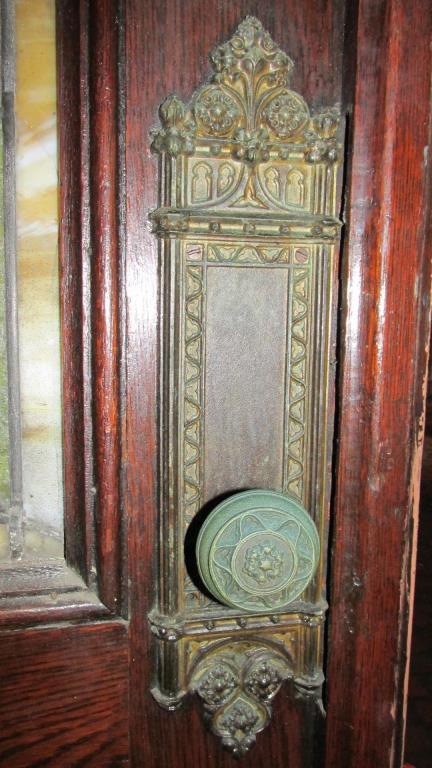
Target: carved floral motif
{"points": [[264, 563], [251, 43], [238, 727], [320, 151], [216, 111], [177, 134], [217, 685], [236, 686], [326, 122], [264, 681], [254, 587], [286, 114], [251, 146]]}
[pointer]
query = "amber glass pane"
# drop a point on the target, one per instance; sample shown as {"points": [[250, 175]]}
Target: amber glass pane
{"points": [[36, 520]]}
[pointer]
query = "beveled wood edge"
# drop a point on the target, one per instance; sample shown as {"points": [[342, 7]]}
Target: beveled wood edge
{"points": [[89, 157], [45, 591], [74, 244], [52, 609], [32, 577]]}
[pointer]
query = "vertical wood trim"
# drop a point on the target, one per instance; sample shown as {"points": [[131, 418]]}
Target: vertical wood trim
{"points": [[105, 285], [74, 253], [384, 337], [88, 95]]}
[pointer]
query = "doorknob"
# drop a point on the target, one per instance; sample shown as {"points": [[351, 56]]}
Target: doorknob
{"points": [[258, 551]]}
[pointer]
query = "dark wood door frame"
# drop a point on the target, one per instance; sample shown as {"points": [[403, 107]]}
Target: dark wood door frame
{"points": [[110, 366], [384, 338]]}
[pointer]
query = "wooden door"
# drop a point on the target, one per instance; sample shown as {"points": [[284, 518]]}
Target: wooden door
{"points": [[77, 653]]}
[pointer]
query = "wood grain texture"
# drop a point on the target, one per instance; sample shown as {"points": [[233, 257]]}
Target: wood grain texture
{"points": [[74, 254], [384, 339], [103, 95], [167, 48], [88, 96], [63, 697]]}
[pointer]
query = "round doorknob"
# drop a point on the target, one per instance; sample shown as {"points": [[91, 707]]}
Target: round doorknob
{"points": [[258, 551]]}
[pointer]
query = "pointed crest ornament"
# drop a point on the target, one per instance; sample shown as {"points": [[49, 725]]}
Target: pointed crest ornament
{"points": [[248, 105], [250, 116]]}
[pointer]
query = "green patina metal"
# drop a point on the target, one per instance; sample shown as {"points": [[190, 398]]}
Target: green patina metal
{"points": [[258, 551]]}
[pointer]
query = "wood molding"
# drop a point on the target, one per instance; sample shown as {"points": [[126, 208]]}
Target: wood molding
{"points": [[104, 197], [74, 253], [88, 135], [384, 337]]}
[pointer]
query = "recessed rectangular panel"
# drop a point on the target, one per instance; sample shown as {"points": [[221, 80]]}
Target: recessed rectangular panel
{"points": [[246, 326]]}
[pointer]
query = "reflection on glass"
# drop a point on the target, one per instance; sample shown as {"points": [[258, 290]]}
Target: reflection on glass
{"points": [[41, 513], [4, 426]]}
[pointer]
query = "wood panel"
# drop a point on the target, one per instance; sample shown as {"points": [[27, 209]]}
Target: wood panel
{"points": [[167, 45], [384, 343], [63, 697]]}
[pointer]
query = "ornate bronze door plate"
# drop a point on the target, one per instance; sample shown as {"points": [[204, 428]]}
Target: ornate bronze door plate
{"points": [[247, 228]]}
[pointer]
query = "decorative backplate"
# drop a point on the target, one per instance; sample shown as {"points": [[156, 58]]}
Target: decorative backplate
{"points": [[247, 229]]}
